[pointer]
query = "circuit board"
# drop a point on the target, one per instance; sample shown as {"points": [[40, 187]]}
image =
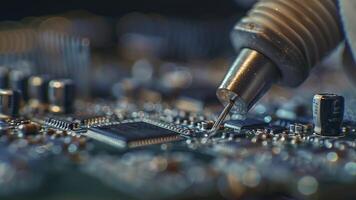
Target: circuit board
{"points": [[156, 151], [78, 121]]}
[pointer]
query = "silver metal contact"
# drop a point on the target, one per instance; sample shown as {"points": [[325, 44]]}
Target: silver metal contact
{"points": [[251, 75]]}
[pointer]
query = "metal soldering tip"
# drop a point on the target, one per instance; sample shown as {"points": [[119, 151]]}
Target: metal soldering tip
{"points": [[221, 118]]}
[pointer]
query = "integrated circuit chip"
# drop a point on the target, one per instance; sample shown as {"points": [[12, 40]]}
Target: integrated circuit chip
{"points": [[132, 134], [62, 123], [248, 124]]}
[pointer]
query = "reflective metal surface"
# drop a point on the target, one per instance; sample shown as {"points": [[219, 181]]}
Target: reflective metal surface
{"points": [[251, 75]]}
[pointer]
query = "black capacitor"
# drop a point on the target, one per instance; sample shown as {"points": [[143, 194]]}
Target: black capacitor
{"points": [[61, 94], [38, 89], [4, 77], [328, 113], [10, 101], [19, 81]]}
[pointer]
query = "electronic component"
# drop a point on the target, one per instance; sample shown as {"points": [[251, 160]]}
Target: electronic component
{"points": [[4, 78], [38, 90], [10, 102], [299, 128], [132, 134], [328, 113], [92, 120], [62, 123], [61, 94], [19, 81], [274, 129], [248, 124], [60, 135], [29, 128]]}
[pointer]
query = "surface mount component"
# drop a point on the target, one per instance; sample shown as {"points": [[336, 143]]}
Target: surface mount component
{"points": [[62, 123], [10, 101], [61, 94], [29, 128], [132, 134], [19, 81], [38, 89], [328, 112], [91, 120], [245, 124], [4, 78]]}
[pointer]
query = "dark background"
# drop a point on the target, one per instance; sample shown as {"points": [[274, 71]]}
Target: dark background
{"points": [[15, 10]]}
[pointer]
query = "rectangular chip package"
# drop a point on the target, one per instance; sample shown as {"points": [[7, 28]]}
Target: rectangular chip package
{"points": [[132, 134], [246, 124]]}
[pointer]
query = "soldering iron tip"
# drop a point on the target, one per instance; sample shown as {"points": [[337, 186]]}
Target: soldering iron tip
{"points": [[221, 118]]}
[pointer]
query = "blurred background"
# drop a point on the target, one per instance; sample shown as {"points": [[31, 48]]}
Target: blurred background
{"points": [[88, 40]]}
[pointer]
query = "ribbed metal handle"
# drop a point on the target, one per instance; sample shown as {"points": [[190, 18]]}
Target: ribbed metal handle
{"points": [[279, 42], [294, 34]]}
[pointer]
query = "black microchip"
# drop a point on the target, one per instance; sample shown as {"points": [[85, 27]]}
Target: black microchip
{"points": [[275, 129], [132, 134], [248, 124]]}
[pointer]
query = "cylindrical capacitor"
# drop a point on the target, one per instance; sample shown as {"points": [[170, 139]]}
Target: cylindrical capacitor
{"points": [[328, 113], [292, 128], [61, 94], [4, 77], [10, 101], [19, 81], [38, 89]]}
